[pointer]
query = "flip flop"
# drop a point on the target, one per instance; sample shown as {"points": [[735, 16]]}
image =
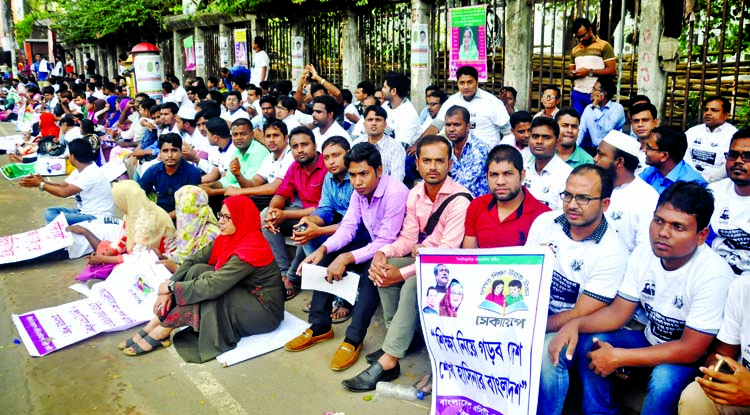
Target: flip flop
{"points": [[155, 345], [292, 291], [424, 384], [340, 320], [129, 342]]}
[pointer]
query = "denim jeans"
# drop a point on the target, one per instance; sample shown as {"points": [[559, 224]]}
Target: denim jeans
{"points": [[554, 381], [665, 384], [72, 215]]}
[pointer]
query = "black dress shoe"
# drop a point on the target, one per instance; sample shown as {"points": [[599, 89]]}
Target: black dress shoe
{"points": [[374, 356], [370, 377]]}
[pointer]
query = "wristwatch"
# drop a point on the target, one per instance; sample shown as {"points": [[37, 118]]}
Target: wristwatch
{"points": [[591, 72], [170, 286], [41, 186]]}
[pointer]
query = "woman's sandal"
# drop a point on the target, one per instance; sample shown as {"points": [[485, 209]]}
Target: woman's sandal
{"points": [[129, 342], [337, 309], [155, 345]]}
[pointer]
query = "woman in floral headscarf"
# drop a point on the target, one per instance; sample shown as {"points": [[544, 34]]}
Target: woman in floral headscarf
{"points": [[196, 225]]}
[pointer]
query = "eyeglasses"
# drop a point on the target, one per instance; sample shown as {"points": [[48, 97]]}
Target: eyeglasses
{"points": [[734, 155], [581, 200], [649, 148], [224, 217], [549, 96], [581, 37]]}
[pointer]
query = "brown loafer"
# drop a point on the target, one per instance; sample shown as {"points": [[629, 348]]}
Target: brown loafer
{"points": [[345, 357], [306, 340]]}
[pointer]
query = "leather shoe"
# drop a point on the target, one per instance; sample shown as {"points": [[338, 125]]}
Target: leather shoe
{"points": [[345, 356], [370, 377], [374, 356], [306, 340]]}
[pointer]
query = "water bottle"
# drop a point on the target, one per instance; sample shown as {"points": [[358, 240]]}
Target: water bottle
{"points": [[394, 390]]}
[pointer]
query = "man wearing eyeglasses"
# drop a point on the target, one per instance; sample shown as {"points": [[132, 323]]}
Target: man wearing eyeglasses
{"points": [[708, 142], [589, 263], [730, 233], [665, 150], [592, 58]]}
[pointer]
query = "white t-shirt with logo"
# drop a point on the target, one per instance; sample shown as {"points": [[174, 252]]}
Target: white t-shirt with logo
{"points": [[487, 114], [548, 185], [404, 120], [692, 296], [731, 225], [95, 197], [272, 169], [581, 267], [334, 130], [706, 149], [630, 211], [735, 329]]}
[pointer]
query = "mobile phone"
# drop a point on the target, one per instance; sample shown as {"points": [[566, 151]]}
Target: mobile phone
{"points": [[300, 227], [721, 366]]}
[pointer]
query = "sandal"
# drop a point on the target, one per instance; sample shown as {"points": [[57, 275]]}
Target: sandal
{"points": [[292, 289], [337, 309], [424, 384], [129, 342], [306, 308], [155, 345]]}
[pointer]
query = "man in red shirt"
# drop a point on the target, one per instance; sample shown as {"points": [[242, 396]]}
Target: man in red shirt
{"points": [[296, 197], [503, 217]]}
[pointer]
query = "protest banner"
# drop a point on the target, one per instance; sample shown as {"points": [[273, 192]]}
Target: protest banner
{"points": [[45, 166], [189, 53], [240, 47], [484, 314], [124, 300], [298, 57], [468, 29], [420, 44], [33, 244]]}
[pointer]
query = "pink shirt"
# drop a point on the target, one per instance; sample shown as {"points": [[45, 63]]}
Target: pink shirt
{"points": [[449, 232]]}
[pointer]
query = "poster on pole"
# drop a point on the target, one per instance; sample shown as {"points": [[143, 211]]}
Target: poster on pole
{"points": [[420, 46], [298, 57], [468, 33], [200, 54], [224, 51], [484, 314], [33, 244], [124, 300], [189, 53], [240, 47], [148, 75]]}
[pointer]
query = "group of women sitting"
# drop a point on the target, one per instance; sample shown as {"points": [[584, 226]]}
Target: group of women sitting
{"points": [[225, 283]]}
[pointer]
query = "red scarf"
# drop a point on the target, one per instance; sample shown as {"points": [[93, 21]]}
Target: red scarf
{"points": [[247, 242], [47, 125]]}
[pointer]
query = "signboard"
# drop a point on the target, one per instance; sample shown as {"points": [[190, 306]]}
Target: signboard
{"points": [[148, 75], [240, 47], [298, 57], [468, 32], [420, 46], [484, 315], [189, 53]]}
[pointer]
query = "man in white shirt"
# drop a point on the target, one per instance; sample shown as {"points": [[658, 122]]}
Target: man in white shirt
{"points": [[234, 109], [324, 107], [87, 183], [489, 118], [261, 62], [545, 172], [219, 136], [271, 173], [520, 126], [589, 263], [194, 144], [402, 116], [719, 392], [680, 283], [633, 200], [179, 93], [391, 151], [286, 110], [708, 142], [730, 223]]}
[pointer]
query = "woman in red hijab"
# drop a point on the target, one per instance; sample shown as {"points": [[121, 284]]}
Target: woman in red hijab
{"points": [[230, 289], [47, 125]]}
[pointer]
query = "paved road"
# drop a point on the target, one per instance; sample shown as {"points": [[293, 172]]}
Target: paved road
{"points": [[93, 377]]}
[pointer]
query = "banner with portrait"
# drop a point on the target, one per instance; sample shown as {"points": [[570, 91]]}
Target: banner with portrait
{"points": [[420, 46], [189, 53], [468, 33], [298, 57], [240, 47], [484, 314]]}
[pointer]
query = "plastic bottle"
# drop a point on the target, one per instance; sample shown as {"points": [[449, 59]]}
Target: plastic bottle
{"points": [[394, 390]]}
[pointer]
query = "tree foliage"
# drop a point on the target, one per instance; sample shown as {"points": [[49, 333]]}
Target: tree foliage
{"points": [[86, 20]]}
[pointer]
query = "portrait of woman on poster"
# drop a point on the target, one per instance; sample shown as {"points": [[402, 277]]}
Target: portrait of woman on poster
{"points": [[468, 50]]}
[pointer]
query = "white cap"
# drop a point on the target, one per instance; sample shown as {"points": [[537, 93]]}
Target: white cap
{"points": [[623, 142], [186, 113]]}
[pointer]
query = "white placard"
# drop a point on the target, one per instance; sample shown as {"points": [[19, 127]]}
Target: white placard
{"points": [[33, 244], [314, 278], [259, 344]]}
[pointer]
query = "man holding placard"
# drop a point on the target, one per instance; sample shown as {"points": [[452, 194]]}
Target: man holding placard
{"points": [[435, 213], [380, 203]]}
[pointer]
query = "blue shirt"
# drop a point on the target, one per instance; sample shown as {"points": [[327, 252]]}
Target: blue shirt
{"points": [[597, 122], [424, 115], [681, 172], [156, 180], [469, 171]]}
